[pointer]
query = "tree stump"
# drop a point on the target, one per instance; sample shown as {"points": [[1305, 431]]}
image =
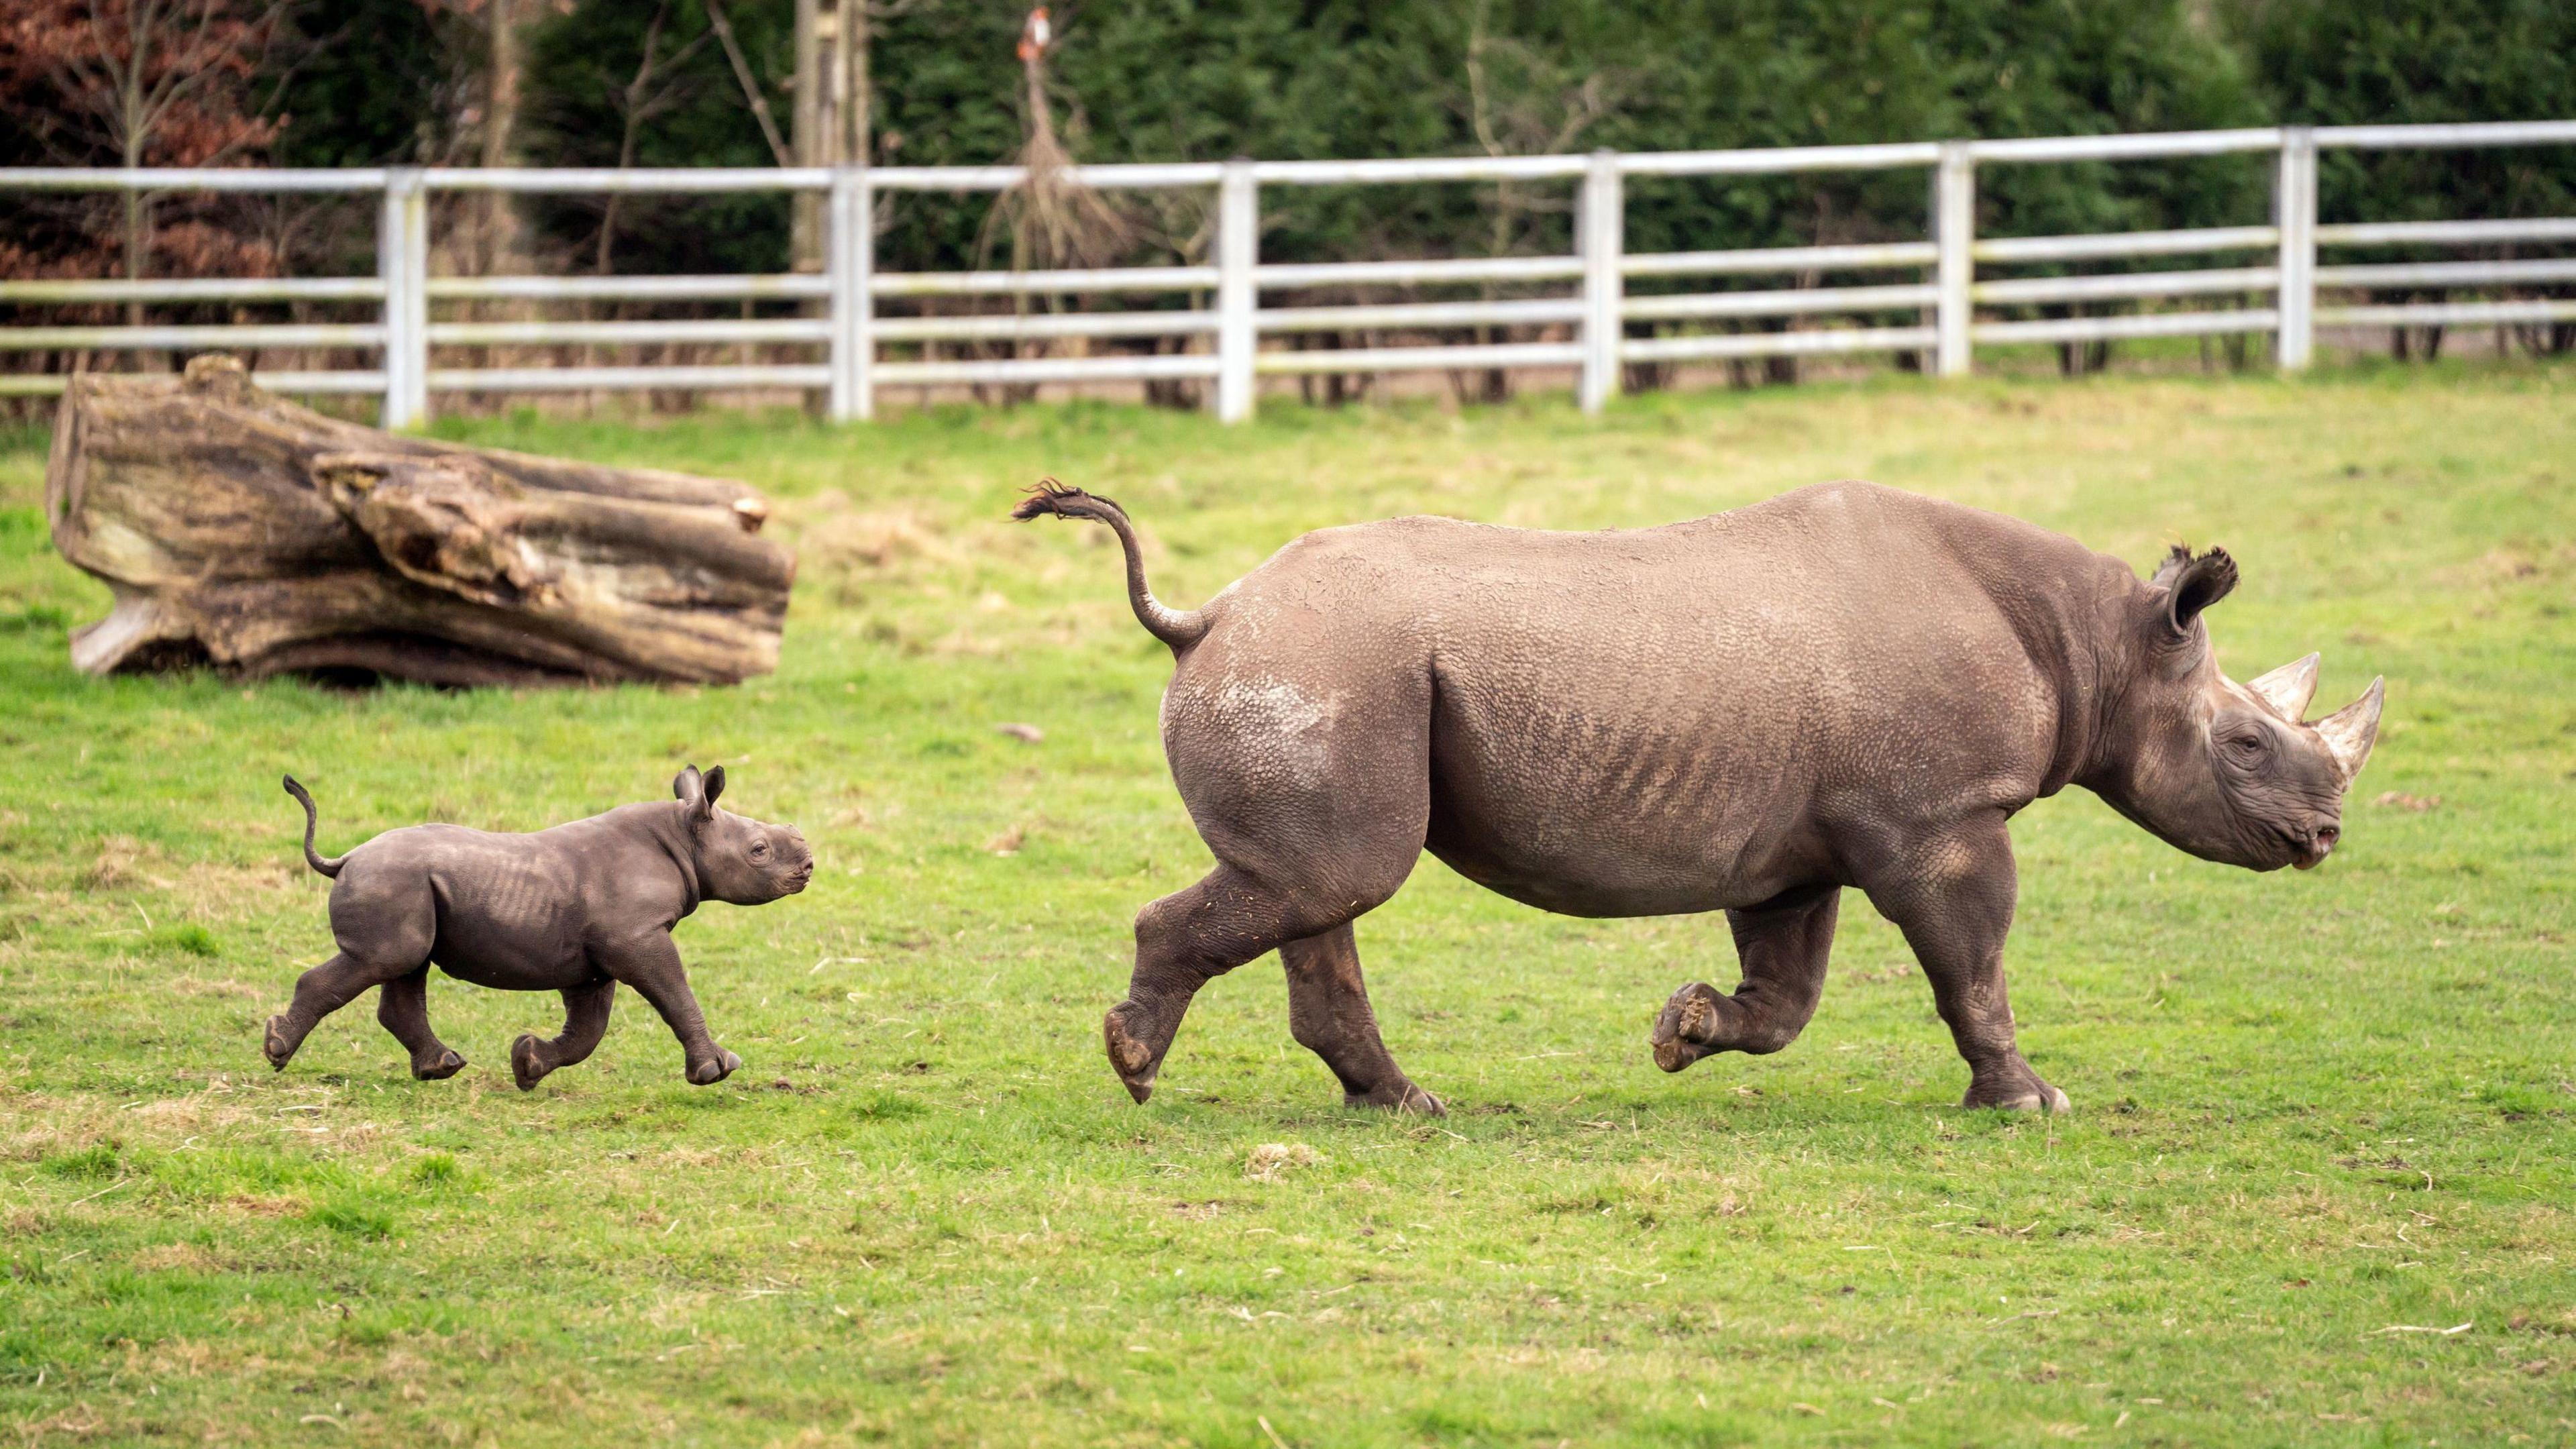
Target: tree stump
{"points": [[245, 533]]}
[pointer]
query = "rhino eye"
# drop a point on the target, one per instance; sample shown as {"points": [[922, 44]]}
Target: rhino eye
{"points": [[2249, 746], [759, 848]]}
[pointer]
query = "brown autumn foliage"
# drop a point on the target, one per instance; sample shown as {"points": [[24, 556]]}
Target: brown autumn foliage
{"points": [[136, 83]]}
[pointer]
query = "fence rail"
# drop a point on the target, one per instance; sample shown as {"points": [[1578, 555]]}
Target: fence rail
{"points": [[855, 348]]}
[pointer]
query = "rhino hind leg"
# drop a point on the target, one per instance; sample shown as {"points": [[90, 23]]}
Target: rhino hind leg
{"points": [[1329, 1014], [1193, 936], [402, 1005], [1783, 945], [1953, 898], [385, 923], [323, 990]]}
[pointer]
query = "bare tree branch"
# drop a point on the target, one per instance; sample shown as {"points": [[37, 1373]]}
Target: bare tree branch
{"points": [[751, 86]]}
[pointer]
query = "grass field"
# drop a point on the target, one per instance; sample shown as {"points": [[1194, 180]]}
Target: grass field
{"points": [[2315, 1113]]}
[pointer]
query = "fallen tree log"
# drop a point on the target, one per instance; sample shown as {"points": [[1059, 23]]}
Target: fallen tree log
{"points": [[243, 532]]}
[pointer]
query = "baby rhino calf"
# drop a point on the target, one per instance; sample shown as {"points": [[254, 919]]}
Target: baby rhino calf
{"points": [[575, 909]]}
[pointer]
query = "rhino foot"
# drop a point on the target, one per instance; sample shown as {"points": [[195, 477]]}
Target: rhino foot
{"points": [[1683, 1032], [1403, 1099], [1134, 1059], [714, 1069], [528, 1065], [274, 1045], [2029, 1094], [446, 1065]]}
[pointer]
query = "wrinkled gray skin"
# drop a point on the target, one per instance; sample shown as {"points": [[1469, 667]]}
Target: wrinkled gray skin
{"points": [[576, 909], [1844, 686]]}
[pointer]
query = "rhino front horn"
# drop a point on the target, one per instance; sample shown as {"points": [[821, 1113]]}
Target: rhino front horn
{"points": [[2289, 688], [2351, 730]]}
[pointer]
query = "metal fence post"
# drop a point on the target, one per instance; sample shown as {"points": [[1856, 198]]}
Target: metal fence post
{"points": [[2294, 211], [849, 239], [402, 264], [1599, 237], [1954, 231], [1238, 251]]}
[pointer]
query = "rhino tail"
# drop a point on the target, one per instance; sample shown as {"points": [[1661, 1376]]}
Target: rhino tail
{"points": [[1179, 628], [327, 864]]}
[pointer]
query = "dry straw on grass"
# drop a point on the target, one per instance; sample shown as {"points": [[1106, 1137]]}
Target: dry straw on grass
{"points": [[1272, 1160]]}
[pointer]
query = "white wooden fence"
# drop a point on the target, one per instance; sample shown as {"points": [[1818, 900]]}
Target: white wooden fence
{"points": [[860, 351]]}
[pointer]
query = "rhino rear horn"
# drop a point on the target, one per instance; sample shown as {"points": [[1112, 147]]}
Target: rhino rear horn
{"points": [[2289, 688], [2353, 729]]}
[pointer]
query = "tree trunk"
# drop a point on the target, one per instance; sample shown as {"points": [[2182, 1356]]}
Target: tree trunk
{"points": [[504, 243], [258, 537]]}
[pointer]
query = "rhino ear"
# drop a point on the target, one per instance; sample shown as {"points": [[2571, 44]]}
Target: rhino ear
{"points": [[2289, 688], [689, 787], [715, 786], [2192, 582], [2353, 729]]}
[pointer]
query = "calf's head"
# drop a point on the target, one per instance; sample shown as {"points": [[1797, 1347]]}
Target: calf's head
{"points": [[739, 860], [2229, 772]]}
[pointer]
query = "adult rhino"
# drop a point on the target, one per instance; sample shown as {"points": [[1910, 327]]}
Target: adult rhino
{"points": [[1844, 686]]}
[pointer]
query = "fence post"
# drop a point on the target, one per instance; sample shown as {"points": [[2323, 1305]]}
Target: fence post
{"points": [[1238, 251], [2294, 211], [1600, 229], [402, 264], [849, 239], [1954, 231]]}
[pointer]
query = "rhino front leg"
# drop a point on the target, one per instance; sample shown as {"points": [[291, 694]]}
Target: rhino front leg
{"points": [[1953, 896], [651, 964], [585, 1022], [1782, 945], [402, 1007], [1329, 1014]]}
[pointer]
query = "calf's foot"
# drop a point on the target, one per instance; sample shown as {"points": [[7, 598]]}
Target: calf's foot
{"points": [[278, 1043], [438, 1068], [1402, 1098], [1135, 1048], [1688, 1027], [2014, 1088], [528, 1064], [714, 1069]]}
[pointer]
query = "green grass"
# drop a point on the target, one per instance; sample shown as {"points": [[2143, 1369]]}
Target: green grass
{"points": [[2309, 1107]]}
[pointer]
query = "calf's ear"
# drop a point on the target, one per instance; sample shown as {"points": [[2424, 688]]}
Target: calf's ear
{"points": [[715, 786], [689, 787], [2192, 582]]}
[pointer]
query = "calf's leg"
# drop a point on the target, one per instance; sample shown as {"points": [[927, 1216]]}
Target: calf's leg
{"points": [[1782, 945], [325, 989], [1328, 1013], [585, 1022], [402, 1005], [1952, 895], [385, 922], [651, 964]]}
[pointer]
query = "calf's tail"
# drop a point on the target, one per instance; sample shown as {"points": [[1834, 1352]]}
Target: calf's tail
{"points": [[1179, 628], [327, 864]]}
